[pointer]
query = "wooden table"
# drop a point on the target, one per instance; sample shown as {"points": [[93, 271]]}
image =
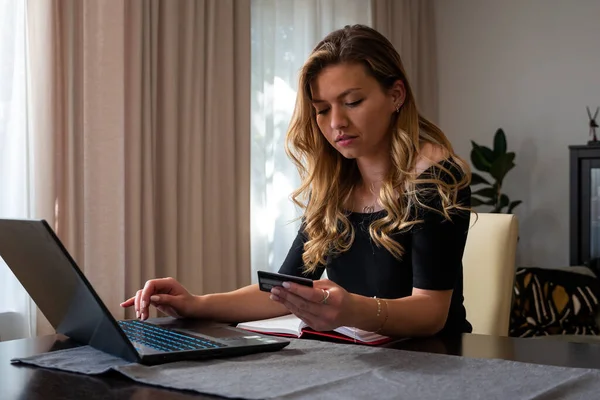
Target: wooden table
{"points": [[30, 383]]}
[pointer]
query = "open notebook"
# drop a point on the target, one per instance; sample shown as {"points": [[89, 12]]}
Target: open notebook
{"points": [[292, 326]]}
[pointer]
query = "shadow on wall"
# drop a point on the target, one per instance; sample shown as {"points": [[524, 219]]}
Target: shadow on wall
{"points": [[12, 326], [536, 220], [534, 238]]}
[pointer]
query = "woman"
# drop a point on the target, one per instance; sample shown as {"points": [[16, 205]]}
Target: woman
{"points": [[386, 212]]}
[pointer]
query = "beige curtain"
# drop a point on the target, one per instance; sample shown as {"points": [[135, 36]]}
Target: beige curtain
{"points": [[188, 143], [410, 26], [144, 108]]}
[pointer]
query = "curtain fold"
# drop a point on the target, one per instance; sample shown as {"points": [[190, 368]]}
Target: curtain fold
{"points": [[410, 26], [52, 111], [144, 139], [187, 143]]}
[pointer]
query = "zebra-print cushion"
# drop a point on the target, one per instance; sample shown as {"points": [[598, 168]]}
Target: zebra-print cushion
{"points": [[554, 302]]}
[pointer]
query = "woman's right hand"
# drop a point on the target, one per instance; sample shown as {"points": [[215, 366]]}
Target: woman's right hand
{"points": [[166, 294]]}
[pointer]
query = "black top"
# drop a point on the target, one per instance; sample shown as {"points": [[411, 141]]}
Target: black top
{"points": [[432, 259]]}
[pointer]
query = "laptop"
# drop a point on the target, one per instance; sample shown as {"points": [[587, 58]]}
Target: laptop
{"points": [[56, 284]]}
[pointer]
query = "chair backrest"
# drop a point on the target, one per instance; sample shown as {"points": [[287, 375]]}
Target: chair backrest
{"points": [[12, 326], [489, 270]]}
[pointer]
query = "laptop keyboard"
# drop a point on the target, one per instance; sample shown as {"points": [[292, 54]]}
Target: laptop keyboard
{"points": [[164, 339]]}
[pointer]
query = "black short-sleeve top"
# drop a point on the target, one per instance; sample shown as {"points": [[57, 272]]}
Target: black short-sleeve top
{"points": [[432, 259]]}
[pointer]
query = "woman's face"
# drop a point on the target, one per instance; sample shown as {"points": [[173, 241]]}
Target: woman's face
{"points": [[353, 111]]}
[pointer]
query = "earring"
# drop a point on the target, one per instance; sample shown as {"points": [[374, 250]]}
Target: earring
{"points": [[398, 107]]}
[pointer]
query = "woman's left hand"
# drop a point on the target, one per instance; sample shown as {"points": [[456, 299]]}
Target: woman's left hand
{"points": [[323, 307]]}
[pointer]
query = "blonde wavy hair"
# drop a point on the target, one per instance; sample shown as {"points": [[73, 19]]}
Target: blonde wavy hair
{"points": [[328, 178]]}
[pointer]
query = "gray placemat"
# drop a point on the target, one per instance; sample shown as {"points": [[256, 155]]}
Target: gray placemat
{"points": [[308, 369]]}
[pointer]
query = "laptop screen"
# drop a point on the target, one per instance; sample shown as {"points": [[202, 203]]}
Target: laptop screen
{"points": [[58, 287]]}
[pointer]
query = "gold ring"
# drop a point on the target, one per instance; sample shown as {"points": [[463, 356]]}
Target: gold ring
{"points": [[325, 296]]}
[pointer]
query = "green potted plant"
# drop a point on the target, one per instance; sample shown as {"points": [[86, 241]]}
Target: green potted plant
{"points": [[496, 162]]}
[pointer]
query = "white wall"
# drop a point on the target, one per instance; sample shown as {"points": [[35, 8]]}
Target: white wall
{"points": [[530, 67]]}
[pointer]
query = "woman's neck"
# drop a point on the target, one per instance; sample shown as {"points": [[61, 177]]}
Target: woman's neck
{"points": [[373, 172]]}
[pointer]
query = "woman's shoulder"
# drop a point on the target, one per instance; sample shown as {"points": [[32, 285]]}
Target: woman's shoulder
{"points": [[441, 181], [429, 155], [435, 162]]}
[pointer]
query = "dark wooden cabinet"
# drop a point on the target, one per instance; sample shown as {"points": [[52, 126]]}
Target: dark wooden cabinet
{"points": [[585, 206]]}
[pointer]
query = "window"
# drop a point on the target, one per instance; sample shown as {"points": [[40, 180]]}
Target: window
{"points": [[15, 304], [282, 34]]}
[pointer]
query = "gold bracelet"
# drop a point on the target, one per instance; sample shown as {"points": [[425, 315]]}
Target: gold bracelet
{"points": [[379, 313]]}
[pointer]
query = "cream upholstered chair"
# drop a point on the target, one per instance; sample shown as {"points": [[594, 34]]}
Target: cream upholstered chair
{"points": [[489, 270]]}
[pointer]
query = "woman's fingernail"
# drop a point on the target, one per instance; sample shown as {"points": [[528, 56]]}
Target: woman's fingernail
{"points": [[154, 298], [275, 291], [137, 314], [275, 298], [143, 304], [286, 285]]}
